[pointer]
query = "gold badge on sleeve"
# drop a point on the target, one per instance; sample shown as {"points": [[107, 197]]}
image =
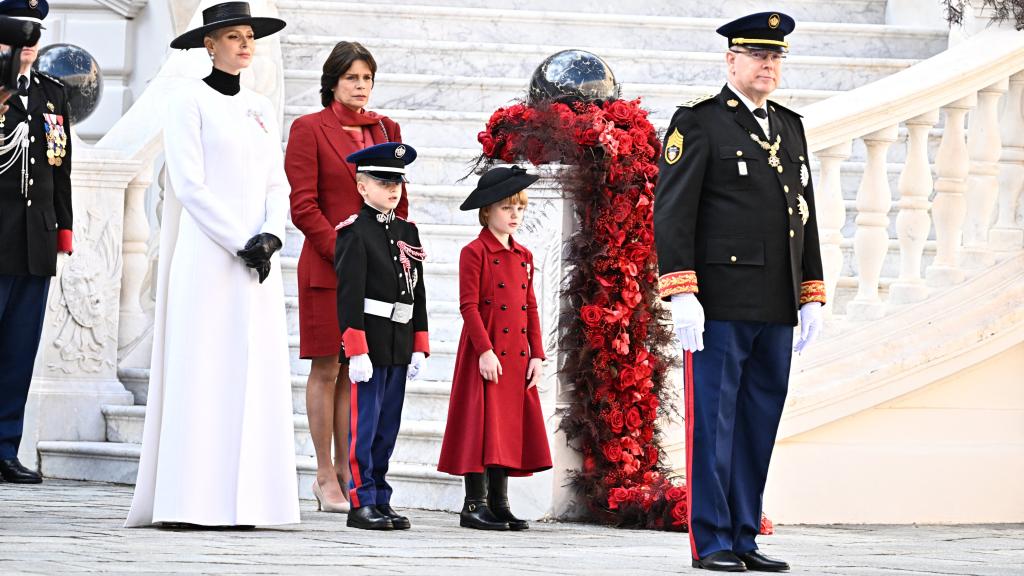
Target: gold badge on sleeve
{"points": [[674, 147]]}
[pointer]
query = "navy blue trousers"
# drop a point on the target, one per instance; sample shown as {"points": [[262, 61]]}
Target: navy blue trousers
{"points": [[735, 390], [22, 307], [376, 417]]}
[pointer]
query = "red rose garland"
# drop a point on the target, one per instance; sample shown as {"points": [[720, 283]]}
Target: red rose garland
{"points": [[617, 339]]}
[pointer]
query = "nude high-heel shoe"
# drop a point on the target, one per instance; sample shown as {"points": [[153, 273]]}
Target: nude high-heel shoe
{"points": [[323, 505]]}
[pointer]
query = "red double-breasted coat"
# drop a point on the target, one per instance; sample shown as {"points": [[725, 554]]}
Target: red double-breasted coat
{"points": [[496, 423], [323, 195]]}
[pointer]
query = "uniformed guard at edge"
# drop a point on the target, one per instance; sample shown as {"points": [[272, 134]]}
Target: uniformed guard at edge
{"points": [[382, 314], [739, 259], [35, 225]]}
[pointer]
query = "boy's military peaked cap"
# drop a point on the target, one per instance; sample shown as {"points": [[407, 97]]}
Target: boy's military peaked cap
{"points": [[385, 162], [29, 9], [761, 31]]}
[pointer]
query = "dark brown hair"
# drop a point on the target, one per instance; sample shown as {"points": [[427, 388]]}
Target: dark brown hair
{"points": [[341, 59]]}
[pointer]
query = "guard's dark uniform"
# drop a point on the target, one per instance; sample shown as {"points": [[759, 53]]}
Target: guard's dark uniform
{"points": [[35, 224], [734, 223], [378, 260]]}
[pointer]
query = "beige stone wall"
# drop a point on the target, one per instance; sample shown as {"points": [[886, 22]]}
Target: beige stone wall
{"points": [[950, 452]]}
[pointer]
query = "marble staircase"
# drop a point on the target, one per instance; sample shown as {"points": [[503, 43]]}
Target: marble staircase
{"points": [[443, 70]]}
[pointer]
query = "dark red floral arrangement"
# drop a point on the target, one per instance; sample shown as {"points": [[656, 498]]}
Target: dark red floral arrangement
{"points": [[616, 339]]}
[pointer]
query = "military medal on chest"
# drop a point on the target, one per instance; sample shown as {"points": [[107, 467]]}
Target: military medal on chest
{"points": [[771, 149], [56, 139]]}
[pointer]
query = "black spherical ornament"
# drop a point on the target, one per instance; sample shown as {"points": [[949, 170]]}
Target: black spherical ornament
{"points": [[572, 76], [79, 72]]}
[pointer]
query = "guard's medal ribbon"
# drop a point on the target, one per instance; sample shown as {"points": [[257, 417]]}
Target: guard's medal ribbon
{"points": [[674, 147], [50, 129]]}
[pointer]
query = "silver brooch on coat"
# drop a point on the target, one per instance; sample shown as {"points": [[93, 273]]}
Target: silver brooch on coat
{"points": [[805, 210], [805, 175]]}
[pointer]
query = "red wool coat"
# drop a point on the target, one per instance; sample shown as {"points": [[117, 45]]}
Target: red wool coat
{"points": [[324, 194], [496, 423]]}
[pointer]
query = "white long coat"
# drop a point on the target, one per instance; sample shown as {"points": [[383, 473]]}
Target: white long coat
{"points": [[218, 446]]}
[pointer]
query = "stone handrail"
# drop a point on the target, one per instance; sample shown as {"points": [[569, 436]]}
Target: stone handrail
{"points": [[977, 168]]}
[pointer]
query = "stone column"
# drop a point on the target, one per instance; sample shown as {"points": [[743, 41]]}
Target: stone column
{"points": [[984, 144], [76, 367], [949, 207], [831, 216], [1007, 235]]}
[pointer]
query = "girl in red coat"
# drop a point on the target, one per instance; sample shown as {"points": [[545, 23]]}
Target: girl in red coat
{"points": [[495, 425], [323, 195]]}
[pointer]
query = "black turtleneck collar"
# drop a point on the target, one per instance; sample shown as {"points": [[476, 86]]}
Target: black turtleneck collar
{"points": [[221, 81]]}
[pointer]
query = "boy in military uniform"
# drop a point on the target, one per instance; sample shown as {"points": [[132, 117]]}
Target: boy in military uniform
{"points": [[734, 217], [35, 225], [382, 312]]}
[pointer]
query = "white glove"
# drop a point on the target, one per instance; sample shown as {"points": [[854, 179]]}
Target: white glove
{"points": [[360, 369], [688, 318], [810, 324], [417, 364]]}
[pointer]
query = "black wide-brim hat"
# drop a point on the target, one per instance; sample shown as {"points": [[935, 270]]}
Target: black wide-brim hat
{"points": [[225, 15], [497, 184]]}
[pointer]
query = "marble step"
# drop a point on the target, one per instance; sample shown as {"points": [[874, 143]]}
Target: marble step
{"points": [[424, 399], [459, 23], [667, 65], [419, 440], [485, 94], [853, 11], [415, 485], [440, 365]]}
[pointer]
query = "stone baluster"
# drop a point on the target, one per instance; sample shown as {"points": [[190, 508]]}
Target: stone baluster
{"points": [[949, 207], [913, 222], [985, 145], [871, 240], [831, 213], [134, 321], [1006, 235]]}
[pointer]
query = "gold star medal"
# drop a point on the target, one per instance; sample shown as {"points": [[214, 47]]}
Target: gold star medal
{"points": [[805, 175], [674, 147]]}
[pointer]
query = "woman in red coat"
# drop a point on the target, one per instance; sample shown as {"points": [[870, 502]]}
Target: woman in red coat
{"points": [[495, 423], [324, 194]]}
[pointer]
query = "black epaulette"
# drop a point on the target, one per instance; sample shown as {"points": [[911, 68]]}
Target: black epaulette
{"points": [[46, 76], [776, 106], [696, 101]]}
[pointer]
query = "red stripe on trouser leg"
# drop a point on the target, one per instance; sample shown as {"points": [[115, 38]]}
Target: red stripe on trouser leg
{"points": [[688, 402], [353, 464]]}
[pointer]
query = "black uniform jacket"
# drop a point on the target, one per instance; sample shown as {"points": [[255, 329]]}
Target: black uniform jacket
{"points": [[29, 226], [368, 261], [728, 224]]}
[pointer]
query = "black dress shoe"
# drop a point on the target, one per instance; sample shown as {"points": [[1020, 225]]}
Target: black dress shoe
{"points": [[504, 513], [12, 471], [721, 561], [761, 563], [476, 514], [368, 518], [397, 520]]}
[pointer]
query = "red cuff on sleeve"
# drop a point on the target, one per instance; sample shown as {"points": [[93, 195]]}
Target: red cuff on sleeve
{"points": [[812, 291], [677, 283], [421, 342], [64, 241], [354, 342]]}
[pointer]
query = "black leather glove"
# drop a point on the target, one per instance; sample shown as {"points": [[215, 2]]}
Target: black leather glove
{"points": [[263, 270], [259, 249]]}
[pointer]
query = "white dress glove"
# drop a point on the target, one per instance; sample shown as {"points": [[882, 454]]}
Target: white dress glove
{"points": [[360, 369], [810, 325], [688, 318], [417, 364]]}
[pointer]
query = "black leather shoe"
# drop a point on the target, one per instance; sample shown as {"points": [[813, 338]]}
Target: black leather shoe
{"points": [[476, 514], [368, 518], [761, 563], [397, 520], [721, 561], [12, 471], [504, 513]]}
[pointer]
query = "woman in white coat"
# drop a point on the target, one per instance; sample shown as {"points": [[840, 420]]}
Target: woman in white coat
{"points": [[218, 446]]}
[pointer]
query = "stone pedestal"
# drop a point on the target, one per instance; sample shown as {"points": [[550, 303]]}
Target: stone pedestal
{"points": [[76, 366]]}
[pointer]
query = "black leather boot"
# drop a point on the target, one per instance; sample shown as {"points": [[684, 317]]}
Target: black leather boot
{"points": [[475, 513], [497, 498]]}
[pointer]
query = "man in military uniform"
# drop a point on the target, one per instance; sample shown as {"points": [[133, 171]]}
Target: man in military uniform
{"points": [[35, 224], [738, 256], [382, 313]]}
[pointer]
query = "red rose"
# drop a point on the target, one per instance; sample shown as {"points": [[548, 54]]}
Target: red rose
{"points": [[591, 315], [616, 421], [487, 141], [595, 341], [675, 493], [679, 513], [621, 208], [629, 445], [633, 420], [767, 528], [619, 111], [627, 378], [617, 496], [652, 455], [647, 434], [612, 450]]}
